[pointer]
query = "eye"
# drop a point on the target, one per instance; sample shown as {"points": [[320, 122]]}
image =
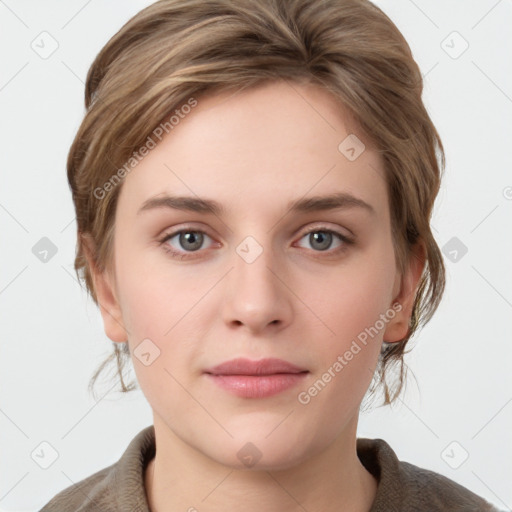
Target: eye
{"points": [[321, 239], [187, 240]]}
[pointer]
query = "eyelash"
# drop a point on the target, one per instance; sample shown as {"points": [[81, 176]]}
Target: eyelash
{"points": [[347, 241]]}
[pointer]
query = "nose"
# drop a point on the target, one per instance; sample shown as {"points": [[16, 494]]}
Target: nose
{"points": [[256, 296]]}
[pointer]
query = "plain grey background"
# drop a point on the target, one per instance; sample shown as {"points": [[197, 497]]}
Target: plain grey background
{"points": [[456, 415]]}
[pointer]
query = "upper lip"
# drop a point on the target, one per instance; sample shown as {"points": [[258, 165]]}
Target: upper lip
{"points": [[242, 366]]}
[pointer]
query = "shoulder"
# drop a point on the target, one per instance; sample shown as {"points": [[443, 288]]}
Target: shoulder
{"points": [[404, 486], [438, 492], [88, 494], [116, 487]]}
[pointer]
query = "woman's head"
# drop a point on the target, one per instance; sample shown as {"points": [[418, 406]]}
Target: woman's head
{"points": [[257, 104]]}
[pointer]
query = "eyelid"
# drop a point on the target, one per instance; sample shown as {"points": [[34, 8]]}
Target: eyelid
{"points": [[170, 232], [323, 226]]}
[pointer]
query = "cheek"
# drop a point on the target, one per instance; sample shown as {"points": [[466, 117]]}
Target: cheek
{"points": [[161, 321], [146, 292], [352, 299], [165, 309], [350, 305]]}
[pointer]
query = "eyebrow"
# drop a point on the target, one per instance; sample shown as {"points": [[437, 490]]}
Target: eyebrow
{"points": [[341, 200]]}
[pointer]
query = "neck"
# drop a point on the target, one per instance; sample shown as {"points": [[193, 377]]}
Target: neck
{"points": [[180, 478]]}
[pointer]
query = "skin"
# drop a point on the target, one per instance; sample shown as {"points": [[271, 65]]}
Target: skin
{"points": [[254, 152]]}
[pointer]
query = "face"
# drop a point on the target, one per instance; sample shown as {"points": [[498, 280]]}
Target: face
{"points": [[265, 275]]}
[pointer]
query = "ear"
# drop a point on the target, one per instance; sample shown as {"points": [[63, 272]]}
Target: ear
{"points": [[104, 286], [398, 328]]}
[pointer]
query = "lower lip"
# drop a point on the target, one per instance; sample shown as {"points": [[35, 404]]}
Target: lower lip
{"points": [[257, 386]]}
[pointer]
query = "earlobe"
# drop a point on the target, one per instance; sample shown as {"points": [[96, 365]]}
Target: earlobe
{"points": [[107, 301], [398, 328]]}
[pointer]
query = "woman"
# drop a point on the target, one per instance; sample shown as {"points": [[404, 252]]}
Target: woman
{"points": [[253, 184]]}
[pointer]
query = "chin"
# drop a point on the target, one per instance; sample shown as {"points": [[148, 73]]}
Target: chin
{"points": [[256, 450], [252, 460]]}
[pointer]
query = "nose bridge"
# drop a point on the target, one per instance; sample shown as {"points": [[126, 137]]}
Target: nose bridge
{"points": [[252, 262], [256, 297]]}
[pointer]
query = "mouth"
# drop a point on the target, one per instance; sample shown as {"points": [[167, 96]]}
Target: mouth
{"points": [[256, 379]]}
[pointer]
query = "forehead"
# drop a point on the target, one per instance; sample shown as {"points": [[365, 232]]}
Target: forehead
{"points": [[259, 147]]}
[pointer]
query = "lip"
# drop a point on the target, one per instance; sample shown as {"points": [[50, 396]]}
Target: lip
{"points": [[243, 366], [256, 379]]}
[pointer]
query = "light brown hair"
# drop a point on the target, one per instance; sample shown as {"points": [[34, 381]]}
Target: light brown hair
{"points": [[174, 50]]}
